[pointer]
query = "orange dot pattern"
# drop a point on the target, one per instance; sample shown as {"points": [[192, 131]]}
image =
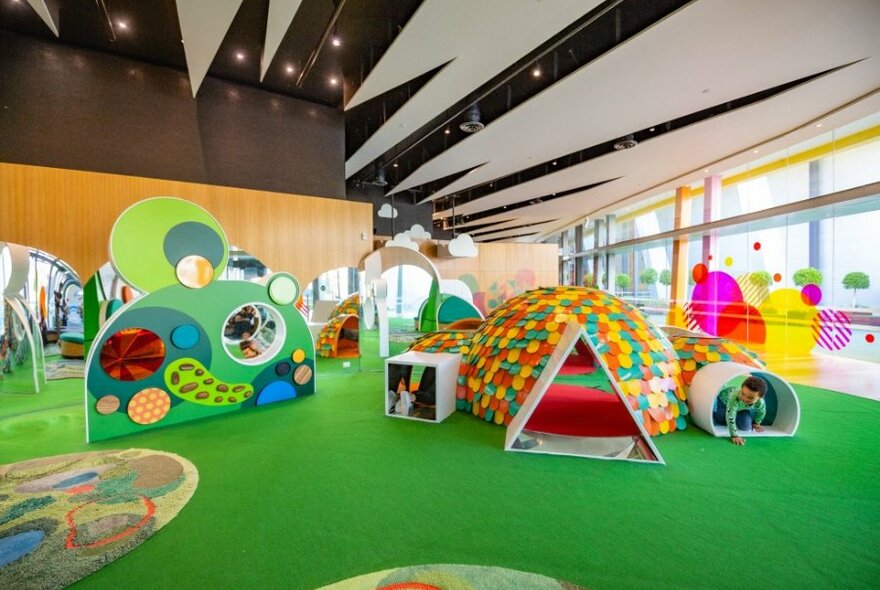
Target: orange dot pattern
{"points": [[451, 342], [696, 352], [148, 406], [512, 348]]}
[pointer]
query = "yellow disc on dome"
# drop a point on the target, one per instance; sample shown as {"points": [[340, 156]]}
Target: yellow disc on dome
{"points": [[532, 346], [484, 401], [513, 355], [554, 337], [498, 418], [504, 342], [530, 324], [194, 271], [525, 371], [552, 326], [664, 427], [625, 361], [614, 336], [298, 356], [626, 347], [518, 383], [634, 387]]}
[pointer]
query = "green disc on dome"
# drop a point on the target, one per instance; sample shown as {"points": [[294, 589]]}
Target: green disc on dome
{"points": [[150, 231]]}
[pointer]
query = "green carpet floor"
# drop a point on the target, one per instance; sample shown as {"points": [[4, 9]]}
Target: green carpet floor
{"points": [[302, 494]]}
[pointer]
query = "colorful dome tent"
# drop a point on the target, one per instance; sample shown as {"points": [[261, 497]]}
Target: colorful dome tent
{"points": [[339, 336], [348, 306], [512, 349], [446, 341], [576, 419]]}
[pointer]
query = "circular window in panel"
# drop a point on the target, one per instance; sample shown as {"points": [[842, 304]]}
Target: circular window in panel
{"points": [[132, 354], [253, 333]]}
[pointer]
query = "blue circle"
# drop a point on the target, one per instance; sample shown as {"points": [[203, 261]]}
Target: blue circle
{"points": [[275, 392], [185, 337]]}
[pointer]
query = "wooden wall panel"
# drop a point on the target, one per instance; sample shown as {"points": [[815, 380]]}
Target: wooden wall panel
{"points": [[501, 270], [70, 214]]}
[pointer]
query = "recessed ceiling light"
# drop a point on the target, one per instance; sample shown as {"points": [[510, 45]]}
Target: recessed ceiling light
{"points": [[395, 164], [334, 81], [122, 24], [818, 124], [755, 151], [446, 132], [289, 69], [239, 56], [554, 162], [335, 41], [651, 129], [536, 73], [706, 170]]}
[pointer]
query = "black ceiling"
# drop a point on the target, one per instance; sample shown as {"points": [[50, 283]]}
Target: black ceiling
{"points": [[152, 34]]}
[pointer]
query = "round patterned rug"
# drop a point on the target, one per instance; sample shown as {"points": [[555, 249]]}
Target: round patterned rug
{"points": [[64, 517], [451, 577]]}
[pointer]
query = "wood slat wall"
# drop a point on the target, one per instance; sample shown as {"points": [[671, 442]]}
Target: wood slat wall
{"points": [[70, 213], [500, 263]]}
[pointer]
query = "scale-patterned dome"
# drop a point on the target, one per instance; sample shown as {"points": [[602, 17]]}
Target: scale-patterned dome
{"points": [[694, 352], [512, 348], [348, 306], [450, 341]]}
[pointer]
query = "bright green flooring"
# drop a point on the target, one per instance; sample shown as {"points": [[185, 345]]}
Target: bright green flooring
{"points": [[305, 493]]}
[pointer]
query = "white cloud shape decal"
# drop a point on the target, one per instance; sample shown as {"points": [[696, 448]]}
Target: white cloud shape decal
{"points": [[462, 247], [387, 211], [417, 232], [402, 240]]}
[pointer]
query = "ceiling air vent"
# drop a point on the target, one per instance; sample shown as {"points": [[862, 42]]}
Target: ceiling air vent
{"points": [[380, 178], [626, 143], [472, 125]]}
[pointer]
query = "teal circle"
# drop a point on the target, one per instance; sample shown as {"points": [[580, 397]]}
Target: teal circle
{"points": [[283, 289], [185, 337]]}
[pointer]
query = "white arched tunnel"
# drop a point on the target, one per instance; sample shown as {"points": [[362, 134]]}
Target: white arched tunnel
{"points": [[783, 408]]}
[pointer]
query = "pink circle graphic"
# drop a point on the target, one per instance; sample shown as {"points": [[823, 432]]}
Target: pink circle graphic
{"points": [[831, 329], [811, 294], [757, 246], [869, 338]]}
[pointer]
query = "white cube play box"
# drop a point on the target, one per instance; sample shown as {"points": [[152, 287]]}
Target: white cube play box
{"points": [[421, 385]]}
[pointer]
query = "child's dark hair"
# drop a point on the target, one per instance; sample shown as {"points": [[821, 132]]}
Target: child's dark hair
{"points": [[756, 384]]}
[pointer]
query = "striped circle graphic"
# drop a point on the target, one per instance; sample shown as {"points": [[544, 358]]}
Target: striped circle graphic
{"points": [[831, 329]]}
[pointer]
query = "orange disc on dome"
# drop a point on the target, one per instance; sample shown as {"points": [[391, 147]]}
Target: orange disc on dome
{"points": [[132, 354]]}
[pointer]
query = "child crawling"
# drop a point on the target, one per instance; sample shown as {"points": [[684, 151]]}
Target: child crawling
{"points": [[742, 408]]}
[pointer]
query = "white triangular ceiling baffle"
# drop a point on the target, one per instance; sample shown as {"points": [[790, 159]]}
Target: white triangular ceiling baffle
{"points": [[281, 13], [48, 11], [203, 24], [570, 419]]}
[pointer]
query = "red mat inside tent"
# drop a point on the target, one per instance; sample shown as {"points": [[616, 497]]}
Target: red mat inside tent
{"points": [[581, 363], [574, 410]]}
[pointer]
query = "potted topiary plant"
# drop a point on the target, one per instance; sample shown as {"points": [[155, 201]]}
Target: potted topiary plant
{"points": [[856, 281], [807, 276], [760, 278], [648, 277], [666, 280], [622, 281]]}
